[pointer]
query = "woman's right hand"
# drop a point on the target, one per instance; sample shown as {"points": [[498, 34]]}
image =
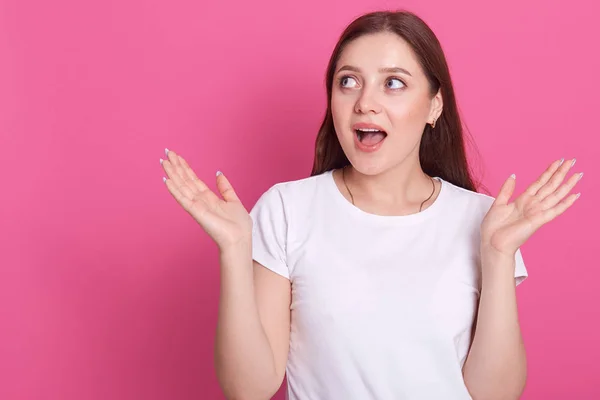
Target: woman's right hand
{"points": [[225, 220]]}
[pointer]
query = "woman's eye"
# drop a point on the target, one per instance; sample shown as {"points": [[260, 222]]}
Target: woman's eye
{"points": [[345, 80], [395, 83]]}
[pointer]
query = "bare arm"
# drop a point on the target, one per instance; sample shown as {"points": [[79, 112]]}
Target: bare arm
{"points": [[252, 338], [254, 308], [496, 367]]}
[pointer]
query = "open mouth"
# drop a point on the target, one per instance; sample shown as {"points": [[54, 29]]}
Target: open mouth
{"points": [[370, 137]]}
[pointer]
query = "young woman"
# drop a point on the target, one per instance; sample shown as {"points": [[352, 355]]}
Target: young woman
{"points": [[383, 275]]}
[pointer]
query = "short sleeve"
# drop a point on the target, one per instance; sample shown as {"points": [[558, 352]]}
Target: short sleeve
{"points": [[520, 270], [269, 232]]}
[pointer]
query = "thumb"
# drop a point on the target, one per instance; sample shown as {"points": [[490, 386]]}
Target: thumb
{"points": [[506, 191], [225, 188]]}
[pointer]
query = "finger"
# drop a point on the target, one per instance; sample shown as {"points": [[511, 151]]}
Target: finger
{"points": [[176, 171], [545, 177], [196, 184], [171, 171], [191, 175], [553, 199], [506, 191], [196, 206], [173, 158], [557, 178], [560, 208], [225, 188], [181, 187], [184, 200], [187, 183]]}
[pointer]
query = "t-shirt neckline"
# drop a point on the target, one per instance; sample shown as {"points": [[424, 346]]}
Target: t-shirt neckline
{"points": [[350, 208]]}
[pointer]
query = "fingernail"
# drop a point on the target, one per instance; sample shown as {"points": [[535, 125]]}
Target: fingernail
{"points": [[166, 151], [580, 176], [562, 160], [578, 194], [219, 173], [164, 179], [161, 160], [573, 163], [513, 176]]}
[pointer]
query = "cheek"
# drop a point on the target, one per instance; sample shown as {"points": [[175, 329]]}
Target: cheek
{"points": [[340, 103], [341, 111], [408, 117]]}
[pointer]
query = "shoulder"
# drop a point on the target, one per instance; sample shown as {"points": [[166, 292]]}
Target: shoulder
{"points": [[468, 201], [298, 190], [294, 194], [283, 212], [302, 185]]}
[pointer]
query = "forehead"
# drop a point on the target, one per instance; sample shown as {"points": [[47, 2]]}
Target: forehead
{"points": [[373, 51]]}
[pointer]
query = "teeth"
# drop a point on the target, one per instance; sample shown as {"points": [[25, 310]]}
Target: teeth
{"points": [[368, 130]]}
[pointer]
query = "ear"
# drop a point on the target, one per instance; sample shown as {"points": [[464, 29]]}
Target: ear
{"points": [[437, 104]]}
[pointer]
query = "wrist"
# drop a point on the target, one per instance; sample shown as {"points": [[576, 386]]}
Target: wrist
{"points": [[241, 246], [489, 252], [497, 265]]}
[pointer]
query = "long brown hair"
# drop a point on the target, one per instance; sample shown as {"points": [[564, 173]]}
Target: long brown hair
{"points": [[442, 150]]}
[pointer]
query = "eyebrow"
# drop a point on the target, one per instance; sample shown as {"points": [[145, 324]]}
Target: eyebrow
{"points": [[381, 70]]}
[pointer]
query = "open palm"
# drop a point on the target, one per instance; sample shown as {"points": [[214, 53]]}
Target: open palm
{"points": [[225, 220], [507, 226]]}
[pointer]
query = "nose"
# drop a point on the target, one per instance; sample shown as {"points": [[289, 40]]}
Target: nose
{"points": [[367, 103]]}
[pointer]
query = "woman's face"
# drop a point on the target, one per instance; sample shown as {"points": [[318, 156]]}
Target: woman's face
{"points": [[379, 81]]}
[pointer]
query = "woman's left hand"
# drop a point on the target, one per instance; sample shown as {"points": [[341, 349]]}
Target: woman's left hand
{"points": [[507, 226]]}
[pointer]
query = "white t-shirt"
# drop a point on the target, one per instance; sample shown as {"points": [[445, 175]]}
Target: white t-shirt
{"points": [[382, 306]]}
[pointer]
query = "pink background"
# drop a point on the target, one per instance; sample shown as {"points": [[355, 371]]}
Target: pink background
{"points": [[108, 290]]}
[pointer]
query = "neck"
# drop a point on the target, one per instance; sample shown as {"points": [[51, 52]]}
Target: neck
{"points": [[400, 187]]}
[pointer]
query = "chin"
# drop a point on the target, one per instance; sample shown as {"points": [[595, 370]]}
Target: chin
{"points": [[368, 167], [385, 158]]}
